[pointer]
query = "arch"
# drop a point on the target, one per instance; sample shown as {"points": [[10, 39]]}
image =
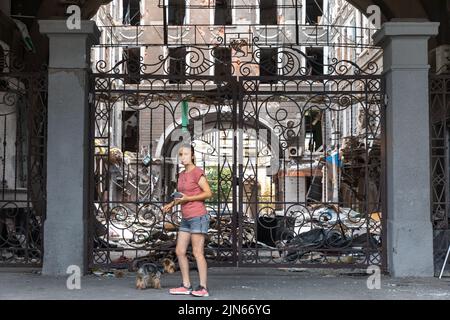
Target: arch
{"points": [[164, 140]]}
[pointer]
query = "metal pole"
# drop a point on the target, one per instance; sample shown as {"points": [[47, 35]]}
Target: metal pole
{"points": [[297, 40], [165, 23], [445, 262]]}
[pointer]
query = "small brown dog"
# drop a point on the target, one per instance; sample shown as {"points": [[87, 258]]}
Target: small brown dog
{"points": [[149, 274]]}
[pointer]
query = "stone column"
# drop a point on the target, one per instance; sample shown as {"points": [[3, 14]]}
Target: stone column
{"points": [[65, 228], [409, 229]]}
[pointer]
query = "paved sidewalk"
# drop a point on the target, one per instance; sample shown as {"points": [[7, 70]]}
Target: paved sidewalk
{"points": [[230, 284]]}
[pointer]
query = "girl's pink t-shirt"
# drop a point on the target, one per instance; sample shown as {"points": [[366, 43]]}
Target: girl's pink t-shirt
{"points": [[188, 184]]}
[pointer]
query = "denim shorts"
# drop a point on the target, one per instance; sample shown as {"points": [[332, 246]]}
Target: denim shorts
{"points": [[196, 224]]}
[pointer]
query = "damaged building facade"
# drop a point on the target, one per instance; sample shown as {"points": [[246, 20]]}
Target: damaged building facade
{"points": [[288, 106]]}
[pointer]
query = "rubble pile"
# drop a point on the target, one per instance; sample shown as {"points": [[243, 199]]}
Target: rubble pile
{"points": [[360, 171], [316, 232], [320, 233]]}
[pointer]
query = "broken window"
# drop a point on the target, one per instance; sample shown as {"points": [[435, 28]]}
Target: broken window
{"points": [[130, 131], [314, 187], [313, 130], [177, 65], [314, 11], [222, 13], [222, 63], [268, 12], [132, 66], [177, 12], [268, 64], [315, 61], [131, 12]]}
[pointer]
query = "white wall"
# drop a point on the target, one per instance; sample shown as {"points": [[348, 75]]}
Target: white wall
{"points": [[292, 190]]}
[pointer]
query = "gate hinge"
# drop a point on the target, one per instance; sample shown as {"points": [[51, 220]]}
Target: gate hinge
{"points": [[386, 100]]}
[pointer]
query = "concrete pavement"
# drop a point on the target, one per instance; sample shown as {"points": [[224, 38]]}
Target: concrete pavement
{"points": [[230, 284]]}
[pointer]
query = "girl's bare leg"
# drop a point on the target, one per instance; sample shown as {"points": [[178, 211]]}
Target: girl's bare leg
{"points": [[182, 245], [198, 243]]}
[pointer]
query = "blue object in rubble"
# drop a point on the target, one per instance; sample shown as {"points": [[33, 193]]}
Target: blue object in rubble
{"points": [[334, 159], [146, 161]]}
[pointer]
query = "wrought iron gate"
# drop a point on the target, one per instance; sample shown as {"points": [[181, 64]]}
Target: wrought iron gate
{"points": [[302, 222], [294, 159], [439, 147], [23, 121]]}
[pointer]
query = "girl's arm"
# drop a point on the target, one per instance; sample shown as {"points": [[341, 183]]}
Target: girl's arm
{"points": [[206, 194]]}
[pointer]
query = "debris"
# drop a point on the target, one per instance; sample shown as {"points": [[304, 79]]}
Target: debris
{"points": [[340, 259], [122, 259], [313, 232], [6, 255], [360, 169]]}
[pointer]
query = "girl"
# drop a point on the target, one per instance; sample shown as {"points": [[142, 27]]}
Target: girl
{"points": [[194, 189]]}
